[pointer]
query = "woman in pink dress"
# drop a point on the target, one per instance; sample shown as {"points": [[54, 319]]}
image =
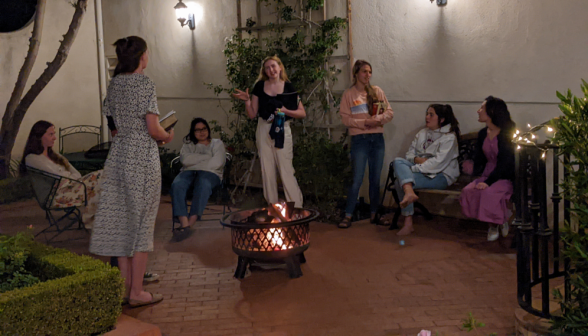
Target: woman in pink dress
{"points": [[486, 198]]}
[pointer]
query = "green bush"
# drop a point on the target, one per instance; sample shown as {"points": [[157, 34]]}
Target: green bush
{"points": [[570, 135], [15, 189], [78, 295], [14, 253], [323, 171]]}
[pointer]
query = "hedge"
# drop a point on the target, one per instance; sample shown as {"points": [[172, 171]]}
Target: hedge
{"points": [[78, 295]]}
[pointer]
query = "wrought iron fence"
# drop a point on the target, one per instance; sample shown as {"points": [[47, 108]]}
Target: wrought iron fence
{"points": [[539, 257]]}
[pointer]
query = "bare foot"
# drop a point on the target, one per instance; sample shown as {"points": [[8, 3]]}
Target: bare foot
{"points": [[409, 198], [406, 230], [192, 220], [142, 296]]}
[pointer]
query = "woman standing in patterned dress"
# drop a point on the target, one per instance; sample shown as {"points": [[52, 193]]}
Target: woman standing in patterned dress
{"points": [[131, 189]]}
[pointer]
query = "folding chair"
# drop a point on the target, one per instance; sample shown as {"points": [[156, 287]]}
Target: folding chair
{"points": [[221, 192], [45, 186]]}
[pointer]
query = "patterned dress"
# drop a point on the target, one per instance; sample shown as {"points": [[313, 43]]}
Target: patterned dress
{"points": [[131, 182]]}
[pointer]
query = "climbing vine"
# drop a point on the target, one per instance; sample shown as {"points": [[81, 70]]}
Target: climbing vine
{"points": [[305, 50]]}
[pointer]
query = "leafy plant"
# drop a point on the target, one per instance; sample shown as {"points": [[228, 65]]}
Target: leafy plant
{"points": [[14, 252], [323, 172], [572, 138], [305, 53], [471, 324]]}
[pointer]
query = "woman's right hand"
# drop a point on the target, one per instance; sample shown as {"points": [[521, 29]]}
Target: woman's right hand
{"points": [[371, 123], [420, 160], [244, 96]]}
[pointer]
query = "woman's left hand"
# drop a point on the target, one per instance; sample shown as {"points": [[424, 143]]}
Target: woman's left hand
{"points": [[481, 186]]}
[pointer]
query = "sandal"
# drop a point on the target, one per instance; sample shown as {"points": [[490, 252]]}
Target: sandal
{"points": [[345, 223], [155, 298]]}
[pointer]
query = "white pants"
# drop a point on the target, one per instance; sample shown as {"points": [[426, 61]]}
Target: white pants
{"points": [[280, 158]]}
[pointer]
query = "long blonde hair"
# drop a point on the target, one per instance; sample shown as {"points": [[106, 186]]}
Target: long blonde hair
{"points": [[372, 97], [263, 76]]}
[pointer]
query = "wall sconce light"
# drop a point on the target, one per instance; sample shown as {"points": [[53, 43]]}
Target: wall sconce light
{"points": [[440, 2], [184, 15]]}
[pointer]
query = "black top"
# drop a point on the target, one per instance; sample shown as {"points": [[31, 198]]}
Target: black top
{"points": [[505, 165], [268, 104]]}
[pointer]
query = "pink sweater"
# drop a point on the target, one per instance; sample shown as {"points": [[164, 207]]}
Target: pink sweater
{"points": [[354, 111]]}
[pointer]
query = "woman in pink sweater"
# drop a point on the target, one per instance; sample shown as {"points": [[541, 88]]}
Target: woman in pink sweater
{"points": [[364, 110]]}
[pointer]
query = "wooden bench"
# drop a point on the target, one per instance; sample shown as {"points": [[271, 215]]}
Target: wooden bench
{"points": [[467, 147]]}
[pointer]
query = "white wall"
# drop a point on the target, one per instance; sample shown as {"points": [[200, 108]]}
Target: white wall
{"points": [[181, 60], [72, 96], [521, 51]]}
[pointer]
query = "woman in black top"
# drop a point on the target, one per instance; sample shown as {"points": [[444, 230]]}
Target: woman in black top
{"points": [[271, 92]]}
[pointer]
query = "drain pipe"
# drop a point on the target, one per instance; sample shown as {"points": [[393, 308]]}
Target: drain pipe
{"points": [[101, 65]]}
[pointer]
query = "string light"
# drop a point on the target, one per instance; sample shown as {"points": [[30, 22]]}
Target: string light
{"points": [[529, 125], [543, 155], [549, 129], [533, 136]]}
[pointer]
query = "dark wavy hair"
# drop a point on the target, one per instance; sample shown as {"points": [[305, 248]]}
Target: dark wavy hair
{"points": [[445, 111], [191, 137], [34, 145], [128, 52], [498, 112]]}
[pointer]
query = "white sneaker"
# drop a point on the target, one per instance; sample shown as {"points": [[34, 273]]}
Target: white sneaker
{"points": [[493, 233], [504, 229]]}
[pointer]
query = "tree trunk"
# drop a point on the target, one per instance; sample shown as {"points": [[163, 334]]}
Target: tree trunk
{"points": [[13, 116], [21, 82]]}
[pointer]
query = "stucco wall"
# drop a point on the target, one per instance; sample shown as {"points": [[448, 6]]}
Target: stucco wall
{"points": [[72, 96], [521, 51], [181, 60]]}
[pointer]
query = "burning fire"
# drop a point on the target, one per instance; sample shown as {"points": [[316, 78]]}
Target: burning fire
{"points": [[275, 235], [281, 208]]}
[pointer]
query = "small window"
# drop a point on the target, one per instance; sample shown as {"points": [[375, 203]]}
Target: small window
{"points": [[16, 14]]}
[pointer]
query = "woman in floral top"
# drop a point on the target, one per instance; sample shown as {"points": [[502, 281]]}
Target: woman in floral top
{"points": [[39, 154]]}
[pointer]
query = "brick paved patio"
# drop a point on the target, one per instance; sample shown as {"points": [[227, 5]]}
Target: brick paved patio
{"points": [[358, 281]]}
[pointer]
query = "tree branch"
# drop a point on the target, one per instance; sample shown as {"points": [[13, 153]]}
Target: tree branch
{"points": [[27, 67], [11, 123]]}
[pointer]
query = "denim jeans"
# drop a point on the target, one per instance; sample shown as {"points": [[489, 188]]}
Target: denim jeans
{"points": [[204, 183], [419, 181], [366, 148]]}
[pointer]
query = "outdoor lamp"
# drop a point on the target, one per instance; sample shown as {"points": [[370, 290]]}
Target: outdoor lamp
{"points": [[184, 15]]}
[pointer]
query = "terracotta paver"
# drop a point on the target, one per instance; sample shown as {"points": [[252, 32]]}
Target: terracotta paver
{"points": [[358, 281]]}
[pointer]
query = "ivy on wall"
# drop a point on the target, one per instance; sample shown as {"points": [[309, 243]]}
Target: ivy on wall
{"points": [[305, 53]]}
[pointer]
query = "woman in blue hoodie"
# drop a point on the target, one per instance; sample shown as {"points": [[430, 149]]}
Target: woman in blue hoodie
{"points": [[431, 160]]}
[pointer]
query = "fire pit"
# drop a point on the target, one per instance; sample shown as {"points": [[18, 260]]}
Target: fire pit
{"points": [[279, 232]]}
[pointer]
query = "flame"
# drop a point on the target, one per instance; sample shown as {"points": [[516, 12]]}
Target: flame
{"points": [[282, 209], [275, 238], [275, 235]]}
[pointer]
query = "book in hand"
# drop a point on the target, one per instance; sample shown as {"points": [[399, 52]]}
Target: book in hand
{"points": [[168, 121], [379, 108]]}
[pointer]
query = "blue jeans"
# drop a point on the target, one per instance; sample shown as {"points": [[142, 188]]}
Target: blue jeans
{"points": [[419, 181], [366, 148], [204, 183]]}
